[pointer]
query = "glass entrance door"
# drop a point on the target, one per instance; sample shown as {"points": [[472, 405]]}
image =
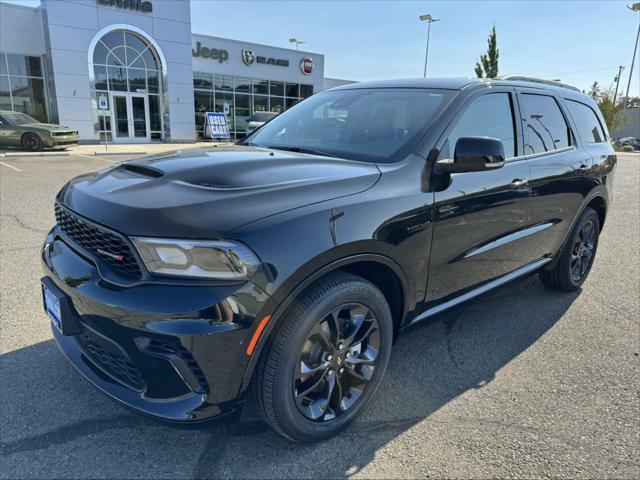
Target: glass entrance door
{"points": [[120, 118], [130, 113]]}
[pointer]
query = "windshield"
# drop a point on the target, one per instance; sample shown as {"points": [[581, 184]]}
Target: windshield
{"points": [[375, 125], [15, 118], [262, 116]]}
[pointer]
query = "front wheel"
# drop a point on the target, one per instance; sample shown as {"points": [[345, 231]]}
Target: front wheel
{"points": [[325, 362], [31, 142], [576, 258]]}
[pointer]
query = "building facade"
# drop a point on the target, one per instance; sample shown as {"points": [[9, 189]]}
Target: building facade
{"points": [[132, 71]]}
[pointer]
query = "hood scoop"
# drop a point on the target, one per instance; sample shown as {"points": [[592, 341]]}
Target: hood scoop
{"points": [[143, 170]]}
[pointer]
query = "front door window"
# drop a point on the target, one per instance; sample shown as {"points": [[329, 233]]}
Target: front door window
{"points": [[121, 115], [139, 114]]}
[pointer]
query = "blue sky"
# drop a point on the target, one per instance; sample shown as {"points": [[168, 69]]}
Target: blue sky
{"points": [[575, 41]]}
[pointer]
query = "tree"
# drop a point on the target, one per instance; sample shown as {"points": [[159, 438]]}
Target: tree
{"points": [[488, 64], [613, 113]]}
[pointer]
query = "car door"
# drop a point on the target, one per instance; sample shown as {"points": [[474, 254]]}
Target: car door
{"points": [[481, 218], [559, 169]]}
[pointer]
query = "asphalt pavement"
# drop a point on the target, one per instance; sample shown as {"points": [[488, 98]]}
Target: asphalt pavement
{"points": [[523, 382]]}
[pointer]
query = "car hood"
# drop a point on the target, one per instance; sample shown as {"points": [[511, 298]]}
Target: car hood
{"points": [[48, 126], [201, 193]]}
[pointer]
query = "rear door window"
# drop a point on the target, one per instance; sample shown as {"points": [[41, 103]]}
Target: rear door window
{"points": [[490, 115], [545, 128], [589, 127]]}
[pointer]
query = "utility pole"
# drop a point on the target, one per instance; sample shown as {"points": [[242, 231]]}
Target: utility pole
{"points": [[615, 95]]}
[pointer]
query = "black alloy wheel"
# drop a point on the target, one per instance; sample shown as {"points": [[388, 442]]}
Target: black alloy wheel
{"points": [[576, 258], [583, 250], [31, 142], [337, 362], [325, 359]]}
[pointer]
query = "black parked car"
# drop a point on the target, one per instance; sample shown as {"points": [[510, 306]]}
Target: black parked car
{"points": [[632, 142], [283, 267]]}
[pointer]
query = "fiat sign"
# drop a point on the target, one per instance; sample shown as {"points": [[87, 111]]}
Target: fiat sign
{"points": [[306, 65]]}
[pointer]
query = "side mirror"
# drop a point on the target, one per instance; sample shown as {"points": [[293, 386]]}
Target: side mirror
{"points": [[474, 154]]}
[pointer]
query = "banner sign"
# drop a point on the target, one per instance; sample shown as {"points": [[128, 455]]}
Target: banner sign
{"points": [[216, 125]]}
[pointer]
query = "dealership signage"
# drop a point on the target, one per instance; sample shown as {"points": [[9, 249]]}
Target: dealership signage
{"points": [[216, 125], [249, 57], [213, 53], [143, 6]]}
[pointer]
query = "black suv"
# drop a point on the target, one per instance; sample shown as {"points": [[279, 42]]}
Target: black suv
{"points": [[282, 268]]}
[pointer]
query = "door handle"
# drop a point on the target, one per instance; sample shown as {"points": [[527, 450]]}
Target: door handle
{"points": [[519, 183]]}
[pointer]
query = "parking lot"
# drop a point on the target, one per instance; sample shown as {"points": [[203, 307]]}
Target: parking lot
{"points": [[522, 382]]}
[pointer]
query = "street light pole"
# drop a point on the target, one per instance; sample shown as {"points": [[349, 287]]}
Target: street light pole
{"points": [[297, 42], [634, 8], [429, 19]]}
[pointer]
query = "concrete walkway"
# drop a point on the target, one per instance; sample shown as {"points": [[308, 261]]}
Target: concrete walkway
{"points": [[111, 149]]}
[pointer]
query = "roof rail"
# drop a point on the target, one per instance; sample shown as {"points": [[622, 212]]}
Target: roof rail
{"points": [[553, 83]]}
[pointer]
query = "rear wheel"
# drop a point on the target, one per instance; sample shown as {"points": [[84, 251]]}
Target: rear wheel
{"points": [[577, 256], [325, 362], [31, 142]]}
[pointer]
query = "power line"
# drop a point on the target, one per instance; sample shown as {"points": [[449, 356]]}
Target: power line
{"points": [[613, 67]]}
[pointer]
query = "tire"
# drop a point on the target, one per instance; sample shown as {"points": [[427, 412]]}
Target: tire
{"points": [[31, 142], [336, 307], [577, 256]]}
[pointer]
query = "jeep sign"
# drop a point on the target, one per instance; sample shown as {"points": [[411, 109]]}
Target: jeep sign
{"points": [[213, 53]]}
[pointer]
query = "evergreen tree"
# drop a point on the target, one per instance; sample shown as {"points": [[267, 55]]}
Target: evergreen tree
{"points": [[487, 67]]}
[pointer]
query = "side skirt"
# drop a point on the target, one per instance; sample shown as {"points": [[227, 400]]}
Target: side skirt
{"points": [[531, 267]]}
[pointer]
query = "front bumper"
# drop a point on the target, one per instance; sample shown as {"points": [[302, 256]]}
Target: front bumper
{"points": [[169, 350], [60, 140]]}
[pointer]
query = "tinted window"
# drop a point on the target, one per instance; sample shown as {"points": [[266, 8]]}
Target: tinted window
{"points": [[589, 127], [545, 128], [19, 119], [262, 116], [376, 125], [488, 116]]}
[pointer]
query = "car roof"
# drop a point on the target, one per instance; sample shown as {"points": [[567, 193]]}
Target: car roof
{"points": [[462, 83]]}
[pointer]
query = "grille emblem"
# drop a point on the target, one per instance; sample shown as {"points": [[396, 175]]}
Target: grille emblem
{"points": [[119, 258]]}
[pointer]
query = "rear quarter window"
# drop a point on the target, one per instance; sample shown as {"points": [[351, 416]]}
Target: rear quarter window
{"points": [[587, 122]]}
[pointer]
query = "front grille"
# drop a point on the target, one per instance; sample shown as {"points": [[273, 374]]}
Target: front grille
{"points": [[63, 134], [169, 349], [118, 367], [103, 243]]}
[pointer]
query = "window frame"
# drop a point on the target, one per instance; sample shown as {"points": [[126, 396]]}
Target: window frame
{"points": [[563, 111]]}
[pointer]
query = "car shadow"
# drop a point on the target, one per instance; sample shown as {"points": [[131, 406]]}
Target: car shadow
{"points": [[49, 410]]}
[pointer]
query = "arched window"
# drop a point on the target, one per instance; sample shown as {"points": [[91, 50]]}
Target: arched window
{"points": [[123, 61]]}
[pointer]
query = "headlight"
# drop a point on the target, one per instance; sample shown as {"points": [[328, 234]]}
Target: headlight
{"points": [[222, 260]]}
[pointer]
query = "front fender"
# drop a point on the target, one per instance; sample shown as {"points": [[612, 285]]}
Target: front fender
{"points": [[301, 280]]}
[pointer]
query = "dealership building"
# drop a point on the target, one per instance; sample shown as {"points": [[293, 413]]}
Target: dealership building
{"points": [[132, 71]]}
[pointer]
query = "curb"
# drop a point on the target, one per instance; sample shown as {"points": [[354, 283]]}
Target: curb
{"points": [[34, 154], [107, 154]]}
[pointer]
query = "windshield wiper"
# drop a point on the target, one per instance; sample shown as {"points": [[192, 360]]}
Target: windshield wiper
{"points": [[310, 151]]}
